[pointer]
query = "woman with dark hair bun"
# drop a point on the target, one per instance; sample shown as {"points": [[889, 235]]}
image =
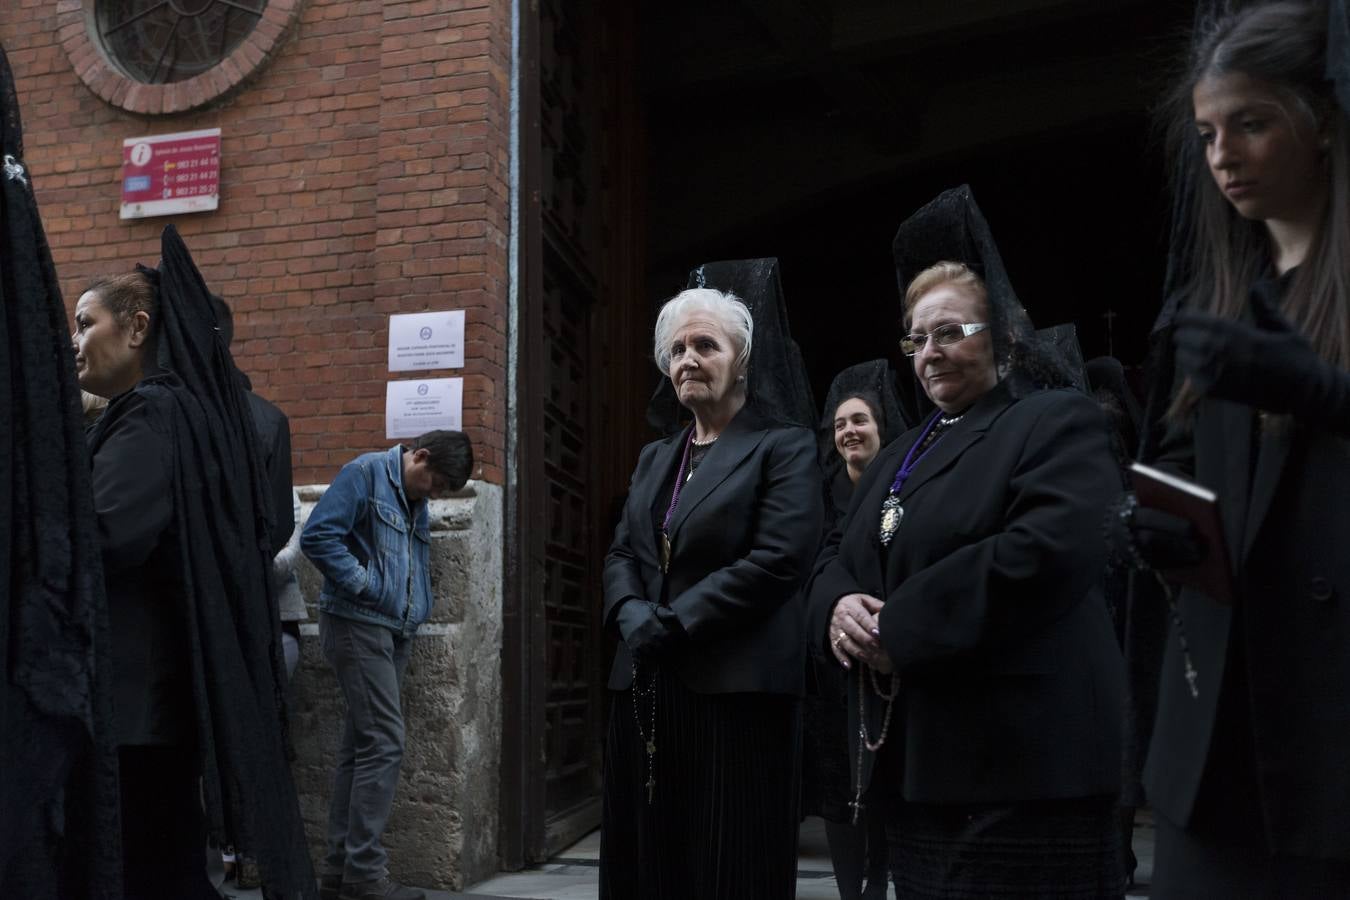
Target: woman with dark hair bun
{"points": [[162, 829], [1248, 766], [181, 505]]}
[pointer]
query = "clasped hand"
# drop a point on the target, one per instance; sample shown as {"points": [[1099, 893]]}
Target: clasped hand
{"points": [[647, 628], [855, 632]]}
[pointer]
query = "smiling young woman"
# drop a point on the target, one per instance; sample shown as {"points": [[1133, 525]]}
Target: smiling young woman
{"points": [[857, 433]]}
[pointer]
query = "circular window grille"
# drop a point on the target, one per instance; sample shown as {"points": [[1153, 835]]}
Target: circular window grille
{"points": [[154, 57], [164, 41]]}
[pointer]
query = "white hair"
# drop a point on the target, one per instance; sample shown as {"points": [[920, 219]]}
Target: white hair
{"points": [[726, 310]]}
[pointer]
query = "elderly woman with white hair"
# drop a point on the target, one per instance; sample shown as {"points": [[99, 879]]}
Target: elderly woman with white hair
{"points": [[702, 584]]}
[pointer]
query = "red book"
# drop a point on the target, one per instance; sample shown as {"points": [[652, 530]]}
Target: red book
{"points": [[1198, 505]]}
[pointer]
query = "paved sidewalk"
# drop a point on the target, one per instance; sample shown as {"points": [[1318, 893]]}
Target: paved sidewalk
{"points": [[575, 873]]}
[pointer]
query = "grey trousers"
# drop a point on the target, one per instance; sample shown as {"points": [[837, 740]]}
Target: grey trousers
{"points": [[369, 661]]}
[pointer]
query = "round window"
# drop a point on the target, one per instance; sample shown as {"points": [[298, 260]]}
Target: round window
{"points": [[163, 41]]}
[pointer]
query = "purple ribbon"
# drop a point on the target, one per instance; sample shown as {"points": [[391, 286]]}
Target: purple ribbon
{"points": [[911, 463], [679, 483]]}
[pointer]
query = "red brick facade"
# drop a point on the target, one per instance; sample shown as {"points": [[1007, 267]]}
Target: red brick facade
{"points": [[364, 172]]}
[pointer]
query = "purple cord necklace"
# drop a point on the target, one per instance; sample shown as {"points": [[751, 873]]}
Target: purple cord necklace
{"points": [[674, 502], [891, 510]]}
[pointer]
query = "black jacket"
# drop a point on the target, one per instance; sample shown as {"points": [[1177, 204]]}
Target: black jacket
{"points": [[274, 439], [743, 537], [1286, 515], [133, 467], [1010, 677]]}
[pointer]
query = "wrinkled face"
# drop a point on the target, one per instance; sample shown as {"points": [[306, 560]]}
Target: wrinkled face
{"points": [[1266, 156], [856, 435], [957, 375], [702, 362], [107, 353], [420, 480]]}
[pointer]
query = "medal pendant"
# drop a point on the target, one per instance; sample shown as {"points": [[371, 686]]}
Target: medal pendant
{"points": [[891, 515], [665, 552]]}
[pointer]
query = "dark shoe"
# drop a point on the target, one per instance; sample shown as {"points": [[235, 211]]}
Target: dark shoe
{"points": [[381, 889], [330, 887]]}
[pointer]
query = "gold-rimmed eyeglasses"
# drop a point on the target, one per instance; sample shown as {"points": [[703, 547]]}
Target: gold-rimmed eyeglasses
{"points": [[944, 335]]}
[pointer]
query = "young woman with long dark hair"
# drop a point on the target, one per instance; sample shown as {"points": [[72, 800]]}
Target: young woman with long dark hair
{"points": [[1248, 769]]}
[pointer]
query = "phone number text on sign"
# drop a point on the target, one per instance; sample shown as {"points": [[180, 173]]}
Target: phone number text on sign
{"points": [[170, 174]]}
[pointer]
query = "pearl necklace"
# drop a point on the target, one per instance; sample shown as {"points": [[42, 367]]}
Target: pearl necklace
{"points": [[707, 443]]}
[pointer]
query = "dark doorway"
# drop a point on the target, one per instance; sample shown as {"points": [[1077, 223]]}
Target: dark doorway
{"points": [[657, 136], [810, 130]]}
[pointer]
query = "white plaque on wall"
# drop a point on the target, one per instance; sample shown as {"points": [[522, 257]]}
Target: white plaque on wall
{"points": [[433, 340], [416, 407]]}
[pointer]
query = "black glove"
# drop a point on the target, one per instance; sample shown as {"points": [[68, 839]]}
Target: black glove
{"points": [[1144, 538], [1268, 365], [1165, 541], [647, 628]]}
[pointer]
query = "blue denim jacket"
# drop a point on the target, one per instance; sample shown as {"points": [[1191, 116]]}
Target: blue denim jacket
{"points": [[374, 560]]}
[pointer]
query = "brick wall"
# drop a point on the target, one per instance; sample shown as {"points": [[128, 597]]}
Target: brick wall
{"points": [[364, 172]]}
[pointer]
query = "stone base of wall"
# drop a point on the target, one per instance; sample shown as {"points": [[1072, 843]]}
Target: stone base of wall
{"points": [[443, 831]]}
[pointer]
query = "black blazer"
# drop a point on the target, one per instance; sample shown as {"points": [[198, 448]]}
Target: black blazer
{"points": [[1010, 677], [743, 537], [1286, 517]]}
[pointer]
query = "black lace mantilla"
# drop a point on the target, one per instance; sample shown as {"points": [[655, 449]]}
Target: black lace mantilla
{"points": [[58, 794], [776, 381], [952, 228]]}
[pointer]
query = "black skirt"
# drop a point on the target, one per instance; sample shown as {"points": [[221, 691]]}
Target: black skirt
{"points": [[1051, 848], [826, 785], [722, 821]]}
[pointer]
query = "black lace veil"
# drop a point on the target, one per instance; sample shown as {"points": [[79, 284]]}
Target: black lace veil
{"points": [[222, 521], [776, 380], [951, 227], [1185, 169], [58, 764], [1338, 50]]}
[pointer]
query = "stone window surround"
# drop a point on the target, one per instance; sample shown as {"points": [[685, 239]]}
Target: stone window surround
{"points": [[76, 26]]}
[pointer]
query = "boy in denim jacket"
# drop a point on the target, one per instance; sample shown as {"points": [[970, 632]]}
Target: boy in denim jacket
{"points": [[369, 538]]}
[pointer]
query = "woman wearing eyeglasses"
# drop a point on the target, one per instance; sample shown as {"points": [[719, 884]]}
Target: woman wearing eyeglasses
{"points": [[962, 595]]}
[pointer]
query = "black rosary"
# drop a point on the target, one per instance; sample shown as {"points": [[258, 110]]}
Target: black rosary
{"points": [[648, 735]]}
